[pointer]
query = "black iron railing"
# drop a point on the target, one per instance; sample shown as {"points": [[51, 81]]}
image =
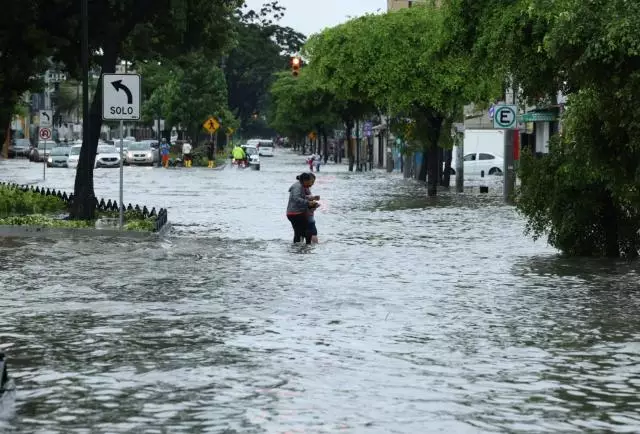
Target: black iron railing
{"points": [[161, 216]]}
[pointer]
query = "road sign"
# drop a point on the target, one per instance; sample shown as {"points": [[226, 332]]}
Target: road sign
{"points": [[230, 131], [492, 111], [312, 135], [505, 117], [46, 118], [211, 125], [45, 133], [120, 97]]}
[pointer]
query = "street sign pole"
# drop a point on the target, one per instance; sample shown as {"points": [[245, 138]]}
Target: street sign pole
{"points": [[508, 169], [505, 118], [44, 162], [120, 102], [121, 174]]}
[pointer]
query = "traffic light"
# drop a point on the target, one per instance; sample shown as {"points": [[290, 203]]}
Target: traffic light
{"points": [[295, 66]]}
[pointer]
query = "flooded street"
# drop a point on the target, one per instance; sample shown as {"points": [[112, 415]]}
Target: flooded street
{"points": [[411, 316]]}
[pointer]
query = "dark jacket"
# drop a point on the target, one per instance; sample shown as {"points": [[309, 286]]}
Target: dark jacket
{"points": [[298, 202]]}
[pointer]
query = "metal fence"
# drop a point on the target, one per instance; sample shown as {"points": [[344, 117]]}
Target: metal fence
{"points": [[161, 216]]}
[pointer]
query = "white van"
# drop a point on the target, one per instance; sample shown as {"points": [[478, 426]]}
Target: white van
{"points": [[265, 147]]}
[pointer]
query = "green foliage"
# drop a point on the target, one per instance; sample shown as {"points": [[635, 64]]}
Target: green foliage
{"points": [[22, 208], [585, 194], [263, 48], [44, 221], [14, 201], [133, 220], [189, 90], [301, 105]]}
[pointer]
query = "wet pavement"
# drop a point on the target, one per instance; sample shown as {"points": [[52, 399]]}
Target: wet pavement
{"points": [[413, 315]]}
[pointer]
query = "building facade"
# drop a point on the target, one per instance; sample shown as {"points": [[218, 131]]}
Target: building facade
{"points": [[394, 5]]}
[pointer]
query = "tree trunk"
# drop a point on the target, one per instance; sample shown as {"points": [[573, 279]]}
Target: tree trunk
{"points": [[446, 178], [325, 145], [610, 224], [84, 199], [350, 146], [434, 127], [6, 139], [422, 174]]}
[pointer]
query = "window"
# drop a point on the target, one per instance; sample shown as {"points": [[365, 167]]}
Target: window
{"points": [[470, 157], [487, 157]]}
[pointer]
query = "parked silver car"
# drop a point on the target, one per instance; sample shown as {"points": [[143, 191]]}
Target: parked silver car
{"points": [[139, 153]]}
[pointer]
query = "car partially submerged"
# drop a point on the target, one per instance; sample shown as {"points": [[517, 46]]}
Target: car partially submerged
{"points": [[107, 156], [253, 156], [140, 153], [58, 157]]}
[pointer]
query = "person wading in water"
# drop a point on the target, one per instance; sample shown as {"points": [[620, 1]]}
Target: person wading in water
{"points": [[299, 206]]}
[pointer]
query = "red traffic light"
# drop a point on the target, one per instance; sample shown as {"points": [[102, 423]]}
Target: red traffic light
{"points": [[296, 62]]}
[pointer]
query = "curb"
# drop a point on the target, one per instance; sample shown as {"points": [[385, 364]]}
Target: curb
{"points": [[57, 233]]}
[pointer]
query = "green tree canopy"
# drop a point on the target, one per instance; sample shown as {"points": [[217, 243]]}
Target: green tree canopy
{"points": [[263, 48]]}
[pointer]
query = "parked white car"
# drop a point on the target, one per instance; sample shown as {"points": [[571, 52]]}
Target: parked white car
{"points": [[74, 155], [108, 156], [477, 163]]}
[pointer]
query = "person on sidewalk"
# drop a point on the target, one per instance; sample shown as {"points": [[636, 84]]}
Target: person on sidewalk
{"points": [[186, 154], [310, 162], [211, 154], [164, 153], [298, 207]]}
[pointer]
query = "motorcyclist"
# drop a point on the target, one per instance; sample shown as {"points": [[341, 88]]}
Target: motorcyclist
{"points": [[238, 154]]}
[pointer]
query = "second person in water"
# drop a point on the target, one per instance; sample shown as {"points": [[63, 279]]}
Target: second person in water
{"points": [[300, 206]]}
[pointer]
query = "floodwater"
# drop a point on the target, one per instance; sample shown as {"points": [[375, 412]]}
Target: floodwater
{"points": [[412, 315]]}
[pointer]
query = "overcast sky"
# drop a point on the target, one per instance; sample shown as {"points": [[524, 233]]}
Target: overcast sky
{"points": [[311, 16]]}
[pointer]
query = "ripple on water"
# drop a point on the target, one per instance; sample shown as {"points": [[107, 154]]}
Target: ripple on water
{"points": [[412, 315]]}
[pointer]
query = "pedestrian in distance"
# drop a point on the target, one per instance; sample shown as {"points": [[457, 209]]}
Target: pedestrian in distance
{"points": [[186, 154], [299, 205], [310, 162], [211, 154], [164, 153]]}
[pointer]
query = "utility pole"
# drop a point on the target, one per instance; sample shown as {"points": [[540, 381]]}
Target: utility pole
{"points": [[510, 138], [459, 163]]}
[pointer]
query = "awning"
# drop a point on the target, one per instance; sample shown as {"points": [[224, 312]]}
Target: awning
{"points": [[538, 116]]}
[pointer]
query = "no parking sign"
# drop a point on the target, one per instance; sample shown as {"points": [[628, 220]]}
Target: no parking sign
{"points": [[45, 133]]}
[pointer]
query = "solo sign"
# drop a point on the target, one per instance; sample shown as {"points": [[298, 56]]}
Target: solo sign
{"points": [[120, 97]]}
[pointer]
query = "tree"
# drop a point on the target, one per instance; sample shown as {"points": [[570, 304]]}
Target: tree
{"points": [[263, 48], [191, 91], [26, 41], [135, 30], [403, 62], [584, 195]]}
